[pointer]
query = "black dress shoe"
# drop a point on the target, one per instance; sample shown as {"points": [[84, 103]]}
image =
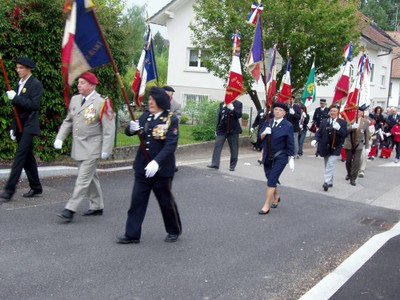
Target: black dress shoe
{"points": [[212, 167], [32, 193], [273, 205], [123, 239], [259, 161], [6, 195], [92, 212], [171, 238], [232, 169], [261, 212], [67, 215], [347, 177], [330, 185], [325, 186], [353, 182]]}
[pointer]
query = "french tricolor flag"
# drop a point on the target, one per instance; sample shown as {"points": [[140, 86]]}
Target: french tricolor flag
{"points": [[235, 85], [255, 11], [286, 87], [255, 57], [83, 47]]}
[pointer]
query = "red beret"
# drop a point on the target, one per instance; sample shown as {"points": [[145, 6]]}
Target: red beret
{"points": [[89, 77]]}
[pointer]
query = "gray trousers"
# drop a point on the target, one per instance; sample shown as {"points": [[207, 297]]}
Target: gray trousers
{"points": [[296, 142], [233, 141], [330, 162], [87, 185], [353, 162]]}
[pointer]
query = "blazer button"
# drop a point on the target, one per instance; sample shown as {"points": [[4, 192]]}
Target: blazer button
{"points": [[147, 149]]}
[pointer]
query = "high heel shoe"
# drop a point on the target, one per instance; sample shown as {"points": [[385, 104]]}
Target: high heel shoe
{"points": [[259, 161], [273, 205], [261, 212]]}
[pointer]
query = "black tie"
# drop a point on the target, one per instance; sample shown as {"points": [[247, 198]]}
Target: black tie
{"points": [[83, 101], [275, 124]]}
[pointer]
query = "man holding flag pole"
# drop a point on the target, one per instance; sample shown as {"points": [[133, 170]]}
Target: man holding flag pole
{"points": [[229, 113]]}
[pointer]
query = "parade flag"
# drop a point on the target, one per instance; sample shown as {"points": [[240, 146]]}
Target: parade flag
{"points": [[309, 92], [364, 99], [342, 86], [350, 107], [255, 58], [83, 47], [146, 70], [256, 9], [235, 84], [286, 85], [271, 78]]}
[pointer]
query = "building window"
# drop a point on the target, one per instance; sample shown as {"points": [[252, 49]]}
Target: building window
{"points": [[372, 73], [196, 58], [383, 77], [194, 98]]}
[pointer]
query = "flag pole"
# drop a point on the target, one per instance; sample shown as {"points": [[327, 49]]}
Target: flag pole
{"points": [[265, 84], [117, 75], [8, 87]]}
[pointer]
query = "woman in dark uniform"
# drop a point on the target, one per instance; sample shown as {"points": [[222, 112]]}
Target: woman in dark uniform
{"points": [[278, 150]]}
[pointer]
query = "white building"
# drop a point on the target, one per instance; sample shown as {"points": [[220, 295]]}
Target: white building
{"points": [[192, 81]]}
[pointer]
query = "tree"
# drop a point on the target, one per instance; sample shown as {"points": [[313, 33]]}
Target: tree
{"points": [[301, 29], [35, 28], [382, 12]]}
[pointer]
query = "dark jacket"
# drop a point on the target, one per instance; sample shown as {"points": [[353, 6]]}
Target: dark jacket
{"points": [[319, 115], [326, 135], [295, 118], [281, 140], [28, 106], [228, 120], [160, 138]]}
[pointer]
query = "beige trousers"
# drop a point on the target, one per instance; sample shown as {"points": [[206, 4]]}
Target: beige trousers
{"points": [[87, 185]]}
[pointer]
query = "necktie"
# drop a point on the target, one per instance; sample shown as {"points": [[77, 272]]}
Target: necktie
{"points": [[83, 101], [275, 124]]}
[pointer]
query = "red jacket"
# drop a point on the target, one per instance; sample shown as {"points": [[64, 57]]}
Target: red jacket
{"points": [[395, 131]]}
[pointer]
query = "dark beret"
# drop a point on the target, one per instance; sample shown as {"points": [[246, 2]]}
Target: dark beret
{"points": [[89, 77], [168, 88], [322, 100], [281, 105], [25, 61], [161, 97]]}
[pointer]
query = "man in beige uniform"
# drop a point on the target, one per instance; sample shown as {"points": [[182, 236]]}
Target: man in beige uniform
{"points": [[91, 120], [357, 140]]}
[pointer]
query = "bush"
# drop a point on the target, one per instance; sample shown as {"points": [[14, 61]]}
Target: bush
{"points": [[245, 116], [184, 120], [204, 133]]}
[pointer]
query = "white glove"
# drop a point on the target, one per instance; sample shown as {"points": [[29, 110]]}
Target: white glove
{"points": [[261, 115], [291, 111], [12, 136], [267, 131], [367, 151], [251, 129], [354, 126], [11, 94], [105, 155], [303, 115], [314, 143], [134, 126], [151, 169], [301, 126], [291, 164], [230, 106], [58, 144], [388, 134], [336, 125]]}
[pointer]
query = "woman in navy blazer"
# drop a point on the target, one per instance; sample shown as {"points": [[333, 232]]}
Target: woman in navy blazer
{"points": [[278, 150]]}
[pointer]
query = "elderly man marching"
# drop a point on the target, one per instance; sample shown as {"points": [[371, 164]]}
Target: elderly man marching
{"points": [[91, 121], [357, 141]]}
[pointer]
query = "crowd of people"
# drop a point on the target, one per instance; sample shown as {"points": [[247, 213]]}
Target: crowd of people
{"points": [[281, 133]]}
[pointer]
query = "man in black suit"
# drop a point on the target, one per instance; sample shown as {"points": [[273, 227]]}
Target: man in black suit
{"points": [[154, 168], [26, 98], [228, 128], [330, 137]]}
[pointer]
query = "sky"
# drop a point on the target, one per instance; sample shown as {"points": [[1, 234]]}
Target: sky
{"points": [[153, 6]]}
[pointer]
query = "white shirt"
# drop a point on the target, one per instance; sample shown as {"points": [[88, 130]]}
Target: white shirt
{"points": [[22, 84]]}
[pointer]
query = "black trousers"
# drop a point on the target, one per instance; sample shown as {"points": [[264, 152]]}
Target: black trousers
{"points": [[161, 186], [24, 159]]}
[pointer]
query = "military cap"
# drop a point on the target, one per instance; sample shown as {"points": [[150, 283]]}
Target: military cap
{"points": [[89, 77], [25, 61], [161, 97], [281, 105], [168, 88]]}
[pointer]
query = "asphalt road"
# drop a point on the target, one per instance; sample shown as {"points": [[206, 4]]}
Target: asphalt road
{"points": [[226, 251]]}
